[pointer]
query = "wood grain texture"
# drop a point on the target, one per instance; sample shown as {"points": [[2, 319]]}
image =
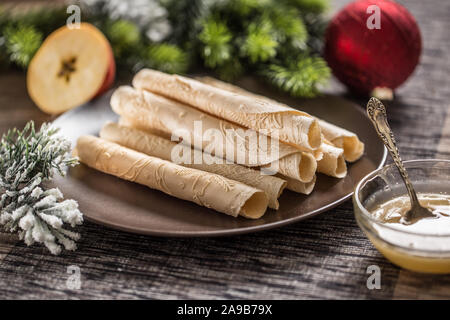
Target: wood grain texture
{"points": [[324, 257], [443, 149], [7, 242]]}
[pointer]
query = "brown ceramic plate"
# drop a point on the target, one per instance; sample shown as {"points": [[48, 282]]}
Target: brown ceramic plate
{"points": [[127, 206]]}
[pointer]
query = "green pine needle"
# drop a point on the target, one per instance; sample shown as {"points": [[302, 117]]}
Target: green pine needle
{"points": [[310, 6], [231, 70], [289, 26], [167, 58], [301, 78], [185, 17], [216, 40], [246, 7], [260, 44], [22, 43], [123, 35]]}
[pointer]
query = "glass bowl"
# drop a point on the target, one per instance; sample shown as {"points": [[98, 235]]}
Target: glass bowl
{"points": [[429, 253]]}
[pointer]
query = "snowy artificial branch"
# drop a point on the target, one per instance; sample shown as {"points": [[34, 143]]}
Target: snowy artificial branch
{"points": [[28, 158]]}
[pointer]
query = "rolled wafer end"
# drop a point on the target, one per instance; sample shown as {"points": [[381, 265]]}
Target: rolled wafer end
{"points": [[353, 148], [307, 167], [341, 168], [119, 96], [255, 206], [333, 162], [342, 138], [300, 166], [314, 135], [300, 187]]}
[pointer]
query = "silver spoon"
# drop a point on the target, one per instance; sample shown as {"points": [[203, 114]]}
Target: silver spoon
{"points": [[377, 114]]}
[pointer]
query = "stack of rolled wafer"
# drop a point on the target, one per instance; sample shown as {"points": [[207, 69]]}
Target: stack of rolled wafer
{"points": [[215, 144]]}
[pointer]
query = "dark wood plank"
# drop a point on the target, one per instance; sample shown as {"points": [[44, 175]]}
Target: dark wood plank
{"points": [[314, 259]]}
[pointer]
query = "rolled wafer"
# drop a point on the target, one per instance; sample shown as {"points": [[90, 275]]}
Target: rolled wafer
{"points": [[148, 111], [339, 137], [130, 123], [287, 163], [286, 124], [333, 162], [205, 189], [298, 186], [159, 147], [230, 87]]}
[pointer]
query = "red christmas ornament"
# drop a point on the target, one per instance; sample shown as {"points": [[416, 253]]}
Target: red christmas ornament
{"points": [[373, 44]]}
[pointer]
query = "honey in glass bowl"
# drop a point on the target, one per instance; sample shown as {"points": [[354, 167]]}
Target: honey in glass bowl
{"points": [[380, 200]]}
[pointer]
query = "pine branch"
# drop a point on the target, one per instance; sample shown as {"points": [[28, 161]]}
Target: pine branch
{"points": [[316, 27], [216, 40], [289, 26], [301, 78], [124, 37], [27, 159], [166, 57], [260, 44], [149, 15], [186, 17], [309, 6], [21, 43], [230, 70], [40, 151], [245, 8]]}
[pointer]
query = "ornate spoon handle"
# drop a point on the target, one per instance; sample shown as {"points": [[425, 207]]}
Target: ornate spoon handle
{"points": [[377, 114]]}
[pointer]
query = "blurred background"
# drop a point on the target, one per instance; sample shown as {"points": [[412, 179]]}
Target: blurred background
{"points": [[301, 48]]}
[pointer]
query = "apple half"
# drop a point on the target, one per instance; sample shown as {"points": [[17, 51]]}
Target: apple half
{"points": [[71, 67]]}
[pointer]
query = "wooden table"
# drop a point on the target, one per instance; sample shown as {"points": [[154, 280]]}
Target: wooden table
{"points": [[323, 257]]}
